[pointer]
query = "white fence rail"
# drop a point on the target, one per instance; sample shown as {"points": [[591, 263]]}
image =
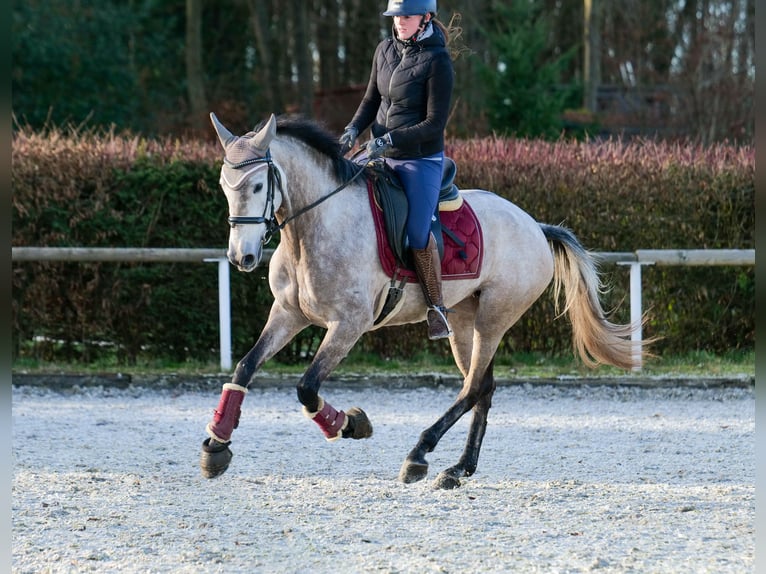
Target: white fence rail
{"points": [[634, 259]]}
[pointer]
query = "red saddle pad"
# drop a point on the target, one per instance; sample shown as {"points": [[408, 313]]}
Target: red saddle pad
{"points": [[458, 262]]}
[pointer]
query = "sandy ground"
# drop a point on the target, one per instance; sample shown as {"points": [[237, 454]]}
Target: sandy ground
{"points": [[571, 479]]}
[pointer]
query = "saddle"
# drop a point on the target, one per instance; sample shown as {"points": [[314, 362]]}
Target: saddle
{"points": [[391, 199], [461, 255]]}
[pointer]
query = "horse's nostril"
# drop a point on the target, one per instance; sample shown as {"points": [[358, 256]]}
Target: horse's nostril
{"points": [[248, 260]]}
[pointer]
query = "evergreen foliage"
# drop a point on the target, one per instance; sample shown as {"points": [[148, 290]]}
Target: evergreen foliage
{"points": [[524, 92]]}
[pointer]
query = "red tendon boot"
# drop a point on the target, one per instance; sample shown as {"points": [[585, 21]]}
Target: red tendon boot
{"points": [[331, 422], [226, 415]]}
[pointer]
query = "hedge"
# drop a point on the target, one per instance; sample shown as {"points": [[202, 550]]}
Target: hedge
{"points": [[109, 190]]}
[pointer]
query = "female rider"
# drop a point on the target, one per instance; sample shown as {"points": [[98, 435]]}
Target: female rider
{"points": [[406, 104]]}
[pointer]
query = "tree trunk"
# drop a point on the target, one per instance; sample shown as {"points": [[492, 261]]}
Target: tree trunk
{"points": [[362, 37], [259, 18], [591, 54], [194, 79], [328, 41], [305, 91], [468, 115]]}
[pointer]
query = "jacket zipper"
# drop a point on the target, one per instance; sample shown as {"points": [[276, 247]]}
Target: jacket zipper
{"points": [[391, 82]]}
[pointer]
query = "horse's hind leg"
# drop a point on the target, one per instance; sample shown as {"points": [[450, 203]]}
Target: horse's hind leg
{"points": [[477, 397], [466, 466], [415, 466]]}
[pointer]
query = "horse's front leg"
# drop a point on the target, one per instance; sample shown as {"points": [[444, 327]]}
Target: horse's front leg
{"points": [[333, 423], [279, 330]]}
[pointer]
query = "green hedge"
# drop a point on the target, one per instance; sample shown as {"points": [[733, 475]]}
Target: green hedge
{"points": [[106, 190], [623, 196]]}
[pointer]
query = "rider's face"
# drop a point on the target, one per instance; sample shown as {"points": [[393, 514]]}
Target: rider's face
{"points": [[407, 26]]}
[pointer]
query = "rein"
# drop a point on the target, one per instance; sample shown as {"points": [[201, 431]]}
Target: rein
{"points": [[275, 181]]}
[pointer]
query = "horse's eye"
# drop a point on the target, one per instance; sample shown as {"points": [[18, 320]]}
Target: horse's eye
{"points": [[258, 187]]}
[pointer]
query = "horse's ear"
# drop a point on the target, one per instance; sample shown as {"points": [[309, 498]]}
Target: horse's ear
{"points": [[224, 135], [263, 138]]}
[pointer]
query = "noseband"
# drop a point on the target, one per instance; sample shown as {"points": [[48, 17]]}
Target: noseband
{"points": [[275, 181]]}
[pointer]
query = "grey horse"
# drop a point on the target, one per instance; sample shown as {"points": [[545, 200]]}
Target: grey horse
{"points": [[289, 176]]}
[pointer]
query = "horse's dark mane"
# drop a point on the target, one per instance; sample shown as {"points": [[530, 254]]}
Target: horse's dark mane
{"points": [[315, 135]]}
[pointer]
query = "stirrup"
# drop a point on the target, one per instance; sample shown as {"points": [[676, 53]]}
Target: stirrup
{"points": [[438, 326]]}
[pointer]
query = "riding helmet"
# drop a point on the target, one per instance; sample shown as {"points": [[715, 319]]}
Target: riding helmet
{"points": [[410, 7]]}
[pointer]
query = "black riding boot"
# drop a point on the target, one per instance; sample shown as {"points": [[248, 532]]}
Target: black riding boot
{"points": [[429, 270]]}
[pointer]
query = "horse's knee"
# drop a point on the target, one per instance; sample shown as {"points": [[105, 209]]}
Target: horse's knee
{"points": [[479, 395], [488, 383]]}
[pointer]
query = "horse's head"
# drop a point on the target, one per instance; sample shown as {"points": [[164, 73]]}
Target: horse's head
{"points": [[252, 185]]}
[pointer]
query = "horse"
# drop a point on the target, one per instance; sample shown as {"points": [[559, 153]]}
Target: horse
{"points": [[289, 175]]}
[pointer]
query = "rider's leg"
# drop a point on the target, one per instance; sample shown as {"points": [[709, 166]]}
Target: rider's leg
{"points": [[428, 268], [421, 179]]}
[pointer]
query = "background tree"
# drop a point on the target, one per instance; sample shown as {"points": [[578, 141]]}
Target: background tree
{"points": [[591, 60], [523, 96], [195, 84], [329, 44], [669, 67], [73, 62], [302, 57], [362, 28]]}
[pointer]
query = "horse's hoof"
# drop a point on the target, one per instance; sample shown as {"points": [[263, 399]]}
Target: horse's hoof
{"points": [[360, 423], [446, 481], [413, 471], [215, 458]]}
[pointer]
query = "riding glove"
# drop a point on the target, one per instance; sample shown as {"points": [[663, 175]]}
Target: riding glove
{"points": [[348, 138], [376, 147]]}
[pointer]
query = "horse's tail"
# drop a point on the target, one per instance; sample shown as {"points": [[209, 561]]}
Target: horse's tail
{"points": [[596, 339]]}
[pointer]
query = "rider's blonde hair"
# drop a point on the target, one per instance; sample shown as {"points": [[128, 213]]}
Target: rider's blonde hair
{"points": [[452, 34]]}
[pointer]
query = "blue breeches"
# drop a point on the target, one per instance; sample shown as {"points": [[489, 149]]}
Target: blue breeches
{"points": [[421, 179]]}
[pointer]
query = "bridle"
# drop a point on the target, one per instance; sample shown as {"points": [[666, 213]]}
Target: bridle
{"points": [[275, 182]]}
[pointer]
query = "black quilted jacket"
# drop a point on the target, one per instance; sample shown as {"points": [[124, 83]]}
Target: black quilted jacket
{"points": [[408, 95]]}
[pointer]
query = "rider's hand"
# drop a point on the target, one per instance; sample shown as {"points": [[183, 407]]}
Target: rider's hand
{"points": [[348, 138], [377, 146]]}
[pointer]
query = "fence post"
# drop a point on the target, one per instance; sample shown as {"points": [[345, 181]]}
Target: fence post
{"points": [[224, 312], [636, 311]]}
